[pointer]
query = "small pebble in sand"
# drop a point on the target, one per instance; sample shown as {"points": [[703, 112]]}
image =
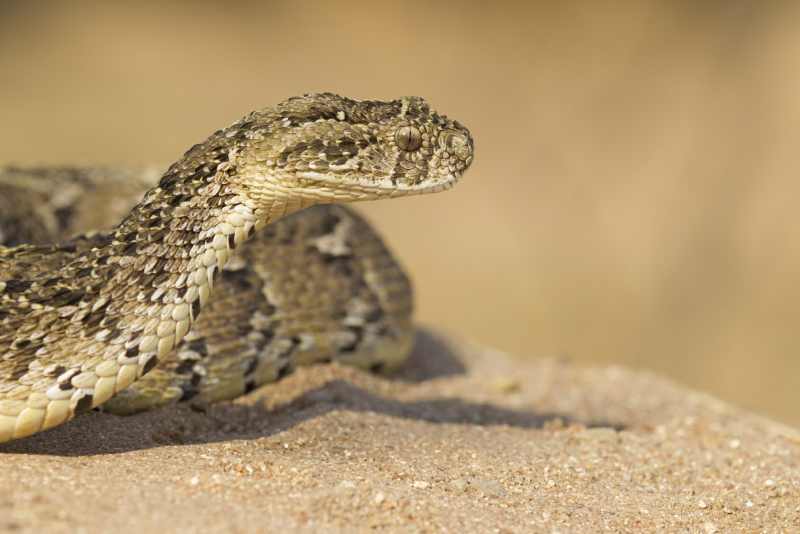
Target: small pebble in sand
{"points": [[459, 484], [488, 487]]}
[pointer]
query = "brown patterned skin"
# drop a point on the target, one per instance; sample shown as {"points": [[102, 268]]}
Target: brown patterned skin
{"points": [[84, 318], [315, 286]]}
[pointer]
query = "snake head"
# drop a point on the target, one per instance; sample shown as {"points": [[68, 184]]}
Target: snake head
{"points": [[328, 148]]}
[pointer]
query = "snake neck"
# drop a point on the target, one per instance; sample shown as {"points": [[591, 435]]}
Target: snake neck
{"points": [[163, 258], [122, 301], [133, 296]]}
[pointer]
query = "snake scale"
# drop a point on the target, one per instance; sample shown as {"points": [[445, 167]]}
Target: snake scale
{"points": [[96, 313]]}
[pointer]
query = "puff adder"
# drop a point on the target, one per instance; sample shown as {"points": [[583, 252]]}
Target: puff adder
{"points": [[130, 290]]}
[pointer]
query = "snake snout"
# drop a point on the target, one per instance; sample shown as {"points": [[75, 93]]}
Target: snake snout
{"points": [[461, 145], [457, 143]]}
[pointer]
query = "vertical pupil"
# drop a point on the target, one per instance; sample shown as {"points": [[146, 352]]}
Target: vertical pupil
{"points": [[407, 138], [405, 134]]}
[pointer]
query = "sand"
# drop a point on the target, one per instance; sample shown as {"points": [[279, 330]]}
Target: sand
{"points": [[463, 439]]}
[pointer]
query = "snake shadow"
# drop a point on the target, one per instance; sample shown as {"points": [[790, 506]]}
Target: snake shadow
{"points": [[433, 357]]}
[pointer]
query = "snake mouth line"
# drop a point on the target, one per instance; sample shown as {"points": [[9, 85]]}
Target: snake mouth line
{"points": [[314, 182]]}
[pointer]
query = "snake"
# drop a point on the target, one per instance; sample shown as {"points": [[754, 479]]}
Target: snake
{"points": [[126, 290]]}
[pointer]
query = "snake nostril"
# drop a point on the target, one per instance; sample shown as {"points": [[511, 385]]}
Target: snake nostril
{"points": [[457, 143]]}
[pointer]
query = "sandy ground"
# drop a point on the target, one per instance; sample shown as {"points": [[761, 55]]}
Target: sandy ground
{"points": [[462, 440]]}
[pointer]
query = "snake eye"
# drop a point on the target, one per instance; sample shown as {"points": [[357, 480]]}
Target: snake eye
{"points": [[408, 138]]}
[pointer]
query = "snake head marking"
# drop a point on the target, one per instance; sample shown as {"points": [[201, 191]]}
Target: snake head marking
{"points": [[329, 148]]}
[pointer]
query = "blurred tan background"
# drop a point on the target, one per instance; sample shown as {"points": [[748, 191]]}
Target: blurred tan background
{"points": [[635, 191]]}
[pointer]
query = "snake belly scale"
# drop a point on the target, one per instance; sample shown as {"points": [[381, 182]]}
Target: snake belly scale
{"points": [[131, 290]]}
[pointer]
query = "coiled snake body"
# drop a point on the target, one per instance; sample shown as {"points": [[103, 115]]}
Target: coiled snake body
{"points": [[114, 318]]}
